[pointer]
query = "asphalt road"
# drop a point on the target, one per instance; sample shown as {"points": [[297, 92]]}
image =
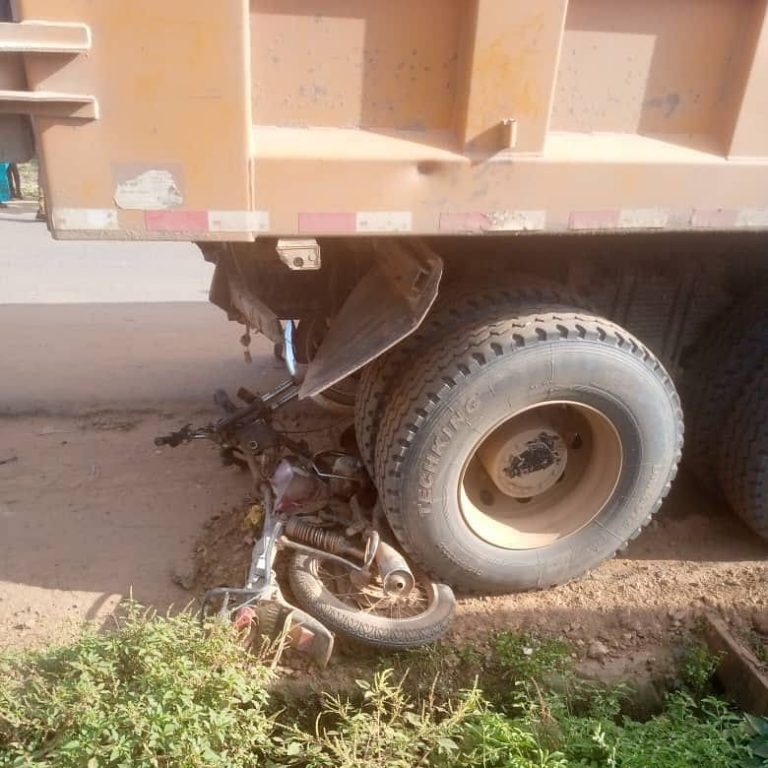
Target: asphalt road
{"points": [[34, 269], [89, 326]]}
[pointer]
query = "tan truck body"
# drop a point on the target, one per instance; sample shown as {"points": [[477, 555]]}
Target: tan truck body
{"points": [[230, 120]]}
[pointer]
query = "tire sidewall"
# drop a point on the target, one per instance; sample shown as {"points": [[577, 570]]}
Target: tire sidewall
{"points": [[317, 600], [612, 381]]}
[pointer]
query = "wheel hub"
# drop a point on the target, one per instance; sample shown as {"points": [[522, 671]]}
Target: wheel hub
{"points": [[526, 459], [541, 475]]}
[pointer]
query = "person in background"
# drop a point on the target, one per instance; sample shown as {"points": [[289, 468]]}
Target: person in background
{"points": [[5, 188], [14, 180]]}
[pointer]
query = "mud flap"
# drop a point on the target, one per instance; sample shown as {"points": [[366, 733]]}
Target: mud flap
{"points": [[385, 307]]}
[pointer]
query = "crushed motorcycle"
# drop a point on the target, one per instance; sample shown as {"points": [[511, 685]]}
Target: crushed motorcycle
{"points": [[346, 574]]}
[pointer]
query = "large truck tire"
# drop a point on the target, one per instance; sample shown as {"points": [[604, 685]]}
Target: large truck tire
{"points": [[453, 308], [742, 468], [525, 449], [716, 377]]}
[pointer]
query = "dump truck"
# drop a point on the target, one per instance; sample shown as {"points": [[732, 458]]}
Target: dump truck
{"points": [[514, 241]]}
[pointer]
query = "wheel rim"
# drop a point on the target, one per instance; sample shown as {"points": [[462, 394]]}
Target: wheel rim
{"points": [[366, 595], [540, 475]]}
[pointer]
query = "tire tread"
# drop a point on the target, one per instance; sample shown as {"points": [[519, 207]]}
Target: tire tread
{"points": [[742, 469], [494, 325]]}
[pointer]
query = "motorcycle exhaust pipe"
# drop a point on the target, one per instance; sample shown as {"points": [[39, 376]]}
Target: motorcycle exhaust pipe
{"points": [[395, 572]]}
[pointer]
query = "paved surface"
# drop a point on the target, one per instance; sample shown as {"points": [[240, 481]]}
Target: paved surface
{"points": [[89, 326], [36, 269], [64, 359]]}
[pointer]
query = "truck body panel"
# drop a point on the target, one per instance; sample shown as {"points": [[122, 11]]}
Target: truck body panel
{"points": [[229, 121]]}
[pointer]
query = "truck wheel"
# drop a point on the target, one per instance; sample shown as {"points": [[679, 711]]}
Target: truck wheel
{"points": [[453, 308], [743, 466], [716, 378], [522, 451]]}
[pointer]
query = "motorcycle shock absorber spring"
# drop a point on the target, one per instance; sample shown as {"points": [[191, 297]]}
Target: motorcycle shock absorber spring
{"points": [[321, 538]]}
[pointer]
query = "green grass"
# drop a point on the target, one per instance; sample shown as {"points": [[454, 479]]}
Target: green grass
{"points": [[167, 692], [155, 692]]}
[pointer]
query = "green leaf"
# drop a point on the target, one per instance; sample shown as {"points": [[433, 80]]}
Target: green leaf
{"points": [[758, 724], [70, 745], [413, 719], [449, 745], [294, 748], [93, 763], [759, 748]]}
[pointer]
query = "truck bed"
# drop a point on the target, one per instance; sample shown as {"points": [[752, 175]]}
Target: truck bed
{"points": [[197, 121]]}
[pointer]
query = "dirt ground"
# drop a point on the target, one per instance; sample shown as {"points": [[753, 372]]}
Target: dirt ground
{"points": [[90, 511], [623, 619]]}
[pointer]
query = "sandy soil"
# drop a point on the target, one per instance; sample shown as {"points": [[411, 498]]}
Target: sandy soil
{"points": [[90, 511]]}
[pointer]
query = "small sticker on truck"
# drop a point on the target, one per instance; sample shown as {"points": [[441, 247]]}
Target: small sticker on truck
{"points": [[149, 191]]}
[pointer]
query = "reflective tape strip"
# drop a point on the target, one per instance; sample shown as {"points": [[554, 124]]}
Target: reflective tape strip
{"points": [[719, 218], [753, 217], [594, 220], [643, 218], [463, 222], [319, 223], [384, 221], [176, 221], [95, 219], [517, 221], [361, 221], [85, 219], [238, 221], [495, 221]]}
